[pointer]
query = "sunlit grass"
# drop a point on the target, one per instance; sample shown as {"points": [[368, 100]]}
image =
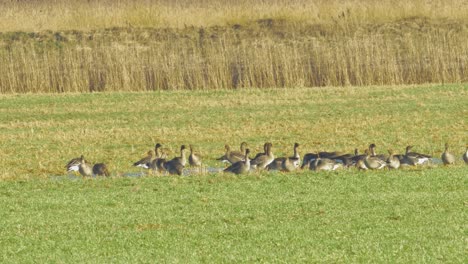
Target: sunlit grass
{"points": [[40, 133], [406, 216], [397, 216]]}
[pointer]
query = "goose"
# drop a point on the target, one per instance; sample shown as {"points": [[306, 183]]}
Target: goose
{"points": [[263, 160], [308, 158], [358, 159], [331, 155], [392, 161], [146, 161], [100, 169], [413, 158], [265, 146], [195, 160], [157, 150], [324, 164], [240, 167], [373, 162], [85, 169], [447, 157], [361, 165], [233, 156], [73, 164], [157, 163], [347, 159], [289, 165], [177, 164], [465, 156], [281, 162]]}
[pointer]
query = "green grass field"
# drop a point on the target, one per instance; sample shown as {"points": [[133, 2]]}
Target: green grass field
{"points": [[415, 215], [399, 216]]}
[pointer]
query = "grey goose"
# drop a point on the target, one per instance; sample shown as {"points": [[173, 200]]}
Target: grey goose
{"points": [[447, 157], [240, 167]]}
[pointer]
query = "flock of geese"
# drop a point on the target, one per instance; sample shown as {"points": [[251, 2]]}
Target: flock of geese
{"points": [[240, 163]]}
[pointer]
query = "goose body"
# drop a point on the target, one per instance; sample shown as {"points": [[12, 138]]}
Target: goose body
{"points": [[100, 169], [156, 164], [233, 156], [392, 161], [324, 164], [73, 165], [240, 167], [146, 161], [177, 164], [194, 160], [308, 159], [85, 169], [447, 157], [413, 158], [262, 161], [361, 165], [374, 163], [286, 163], [289, 165]]}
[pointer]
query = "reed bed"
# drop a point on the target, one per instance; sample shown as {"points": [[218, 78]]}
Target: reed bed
{"points": [[65, 46]]}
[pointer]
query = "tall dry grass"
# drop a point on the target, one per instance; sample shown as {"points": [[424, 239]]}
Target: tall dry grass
{"points": [[79, 46]]}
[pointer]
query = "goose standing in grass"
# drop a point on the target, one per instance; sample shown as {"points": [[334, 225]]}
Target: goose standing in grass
{"points": [[265, 146], [447, 157], [146, 161], [232, 156], [324, 164], [240, 167], [392, 161], [156, 164], [177, 164], [413, 158], [157, 150], [374, 162], [282, 162], [194, 159], [465, 155], [263, 160], [84, 168]]}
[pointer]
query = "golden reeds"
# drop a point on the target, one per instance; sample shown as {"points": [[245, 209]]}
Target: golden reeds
{"points": [[76, 46]]}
